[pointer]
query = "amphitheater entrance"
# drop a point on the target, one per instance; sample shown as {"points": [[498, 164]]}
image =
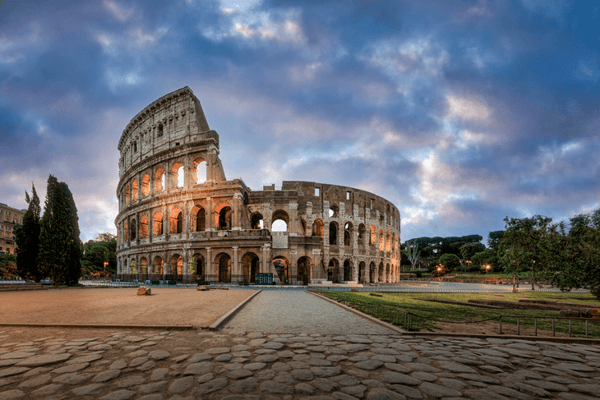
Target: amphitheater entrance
{"points": [[361, 272], [250, 262], [304, 270], [281, 265], [224, 264], [347, 271], [333, 271], [157, 268], [197, 267]]}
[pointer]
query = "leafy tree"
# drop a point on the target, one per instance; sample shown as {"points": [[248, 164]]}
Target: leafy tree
{"points": [[526, 245], [577, 254], [96, 253], [485, 257], [494, 239], [8, 265], [468, 250], [450, 261], [27, 237], [59, 252]]}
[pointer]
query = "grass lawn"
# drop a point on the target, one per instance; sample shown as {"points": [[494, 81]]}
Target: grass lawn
{"points": [[426, 313]]}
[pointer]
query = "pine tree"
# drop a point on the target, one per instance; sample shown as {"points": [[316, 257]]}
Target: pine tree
{"points": [[27, 237], [60, 249]]}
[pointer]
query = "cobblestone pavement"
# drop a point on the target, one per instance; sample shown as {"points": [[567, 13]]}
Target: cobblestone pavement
{"points": [[233, 365], [291, 311]]}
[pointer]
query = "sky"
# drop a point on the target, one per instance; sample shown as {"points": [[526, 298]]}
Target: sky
{"points": [[461, 113]]}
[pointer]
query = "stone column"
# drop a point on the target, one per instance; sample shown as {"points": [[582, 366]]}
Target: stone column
{"points": [[236, 265], [209, 262]]}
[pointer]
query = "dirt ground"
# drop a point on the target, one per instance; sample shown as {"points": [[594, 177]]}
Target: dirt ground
{"points": [[489, 328], [119, 306]]}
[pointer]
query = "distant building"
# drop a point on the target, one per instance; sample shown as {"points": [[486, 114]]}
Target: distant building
{"points": [[9, 219]]}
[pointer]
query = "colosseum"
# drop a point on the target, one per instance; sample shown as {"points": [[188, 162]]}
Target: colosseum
{"points": [[180, 219]]}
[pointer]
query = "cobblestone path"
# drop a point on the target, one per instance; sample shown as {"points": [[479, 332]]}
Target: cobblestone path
{"points": [[235, 365], [294, 311]]}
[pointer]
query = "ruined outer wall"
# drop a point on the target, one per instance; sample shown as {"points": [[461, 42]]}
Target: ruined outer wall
{"points": [[338, 234]]}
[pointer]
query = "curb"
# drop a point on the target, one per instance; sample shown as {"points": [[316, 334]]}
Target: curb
{"points": [[363, 315], [104, 326], [218, 324], [511, 337]]}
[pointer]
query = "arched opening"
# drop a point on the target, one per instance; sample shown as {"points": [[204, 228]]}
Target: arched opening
{"points": [[199, 167], [333, 273], [281, 266], [347, 271], [388, 273], [157, 224], [198, 216], [134, 190], [133, 267], [348, 234], [256, 221], [280, 221], [225, 218], [372, 273], [381, 242], [126, 230], [361, 272], [304, 265], [381, 273], [333, 230], [362, 234], [177, 177], [132, 227], [318, 228], [127, 198], [197, 266], [372, 237], [250, 263], [176, 267], [176, 221], [333, 212], [143, 266], [158, 266], [159, 180], [145, 185], [143, 227], [224, 267]]}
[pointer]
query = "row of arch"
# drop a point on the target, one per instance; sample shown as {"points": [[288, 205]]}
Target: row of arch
{"points": [[155, 267], [388, 241], [159, 179]]}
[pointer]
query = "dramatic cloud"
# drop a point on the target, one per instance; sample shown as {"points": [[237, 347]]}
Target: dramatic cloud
{"points": [[459, 112]]}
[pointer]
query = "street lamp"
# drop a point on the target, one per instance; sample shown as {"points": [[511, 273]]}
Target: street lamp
{"points": [[487, 268]]}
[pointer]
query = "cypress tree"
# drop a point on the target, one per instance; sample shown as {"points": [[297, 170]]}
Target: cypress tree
{"points": [[57, 253], [75, 252], [27, 237]]}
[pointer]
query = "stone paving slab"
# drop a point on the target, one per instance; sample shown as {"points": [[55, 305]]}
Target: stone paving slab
{"points": [[297, 311], [235, 364]]}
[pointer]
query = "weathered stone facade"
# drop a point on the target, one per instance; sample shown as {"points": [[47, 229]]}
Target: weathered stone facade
{"points": [[181, 219]]}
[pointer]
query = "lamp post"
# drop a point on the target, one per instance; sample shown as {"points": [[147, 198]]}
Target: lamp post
{"points": [[487, 268]]}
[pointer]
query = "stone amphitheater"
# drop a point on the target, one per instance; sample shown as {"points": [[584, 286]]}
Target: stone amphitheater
{"points": [[180, 219]]}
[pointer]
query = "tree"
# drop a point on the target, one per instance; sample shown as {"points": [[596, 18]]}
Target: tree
{"points": [[450, 261], [468, 250], [59, 251], [526, 245], [27, 237], [413, 255], [577, 254], [494, 239], [485, 257]]}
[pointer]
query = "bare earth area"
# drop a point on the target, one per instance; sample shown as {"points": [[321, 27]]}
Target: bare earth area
{"points": [[119, 306]]}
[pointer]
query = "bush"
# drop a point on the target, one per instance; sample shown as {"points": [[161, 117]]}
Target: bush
{"points": [[450, 261], [418, 274]]}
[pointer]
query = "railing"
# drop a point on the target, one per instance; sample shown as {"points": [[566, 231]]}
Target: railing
{"points": [[109, 284], [520, 317]]}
